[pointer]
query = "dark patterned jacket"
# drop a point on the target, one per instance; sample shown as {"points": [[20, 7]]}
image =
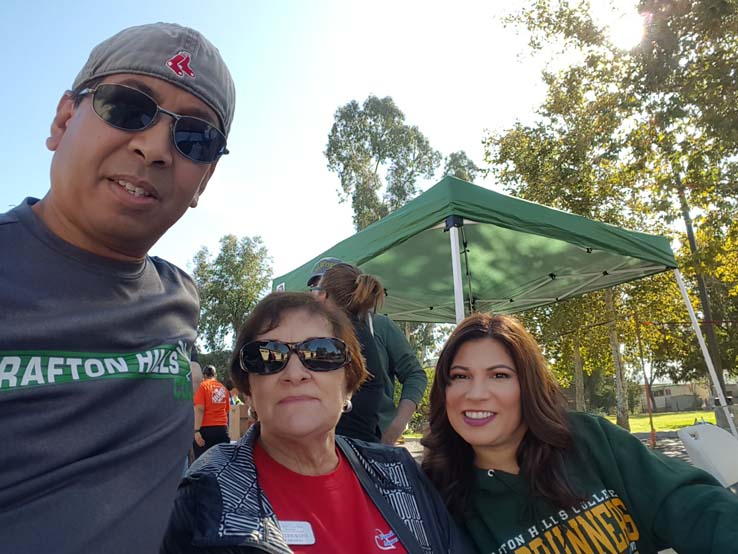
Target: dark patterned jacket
{"points": [[221, 509]]}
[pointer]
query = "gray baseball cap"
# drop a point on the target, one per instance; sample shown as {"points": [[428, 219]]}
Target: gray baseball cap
{"points": [[321, 266], [179, 55]]}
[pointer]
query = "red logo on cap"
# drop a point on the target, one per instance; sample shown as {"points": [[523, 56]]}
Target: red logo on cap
{"points": [[180, 64]]}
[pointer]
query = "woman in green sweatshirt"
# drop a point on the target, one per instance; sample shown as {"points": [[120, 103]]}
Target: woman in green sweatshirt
{"points": [[525, 476]]}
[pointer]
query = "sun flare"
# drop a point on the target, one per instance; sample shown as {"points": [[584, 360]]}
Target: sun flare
{"points": [[626, 28]]}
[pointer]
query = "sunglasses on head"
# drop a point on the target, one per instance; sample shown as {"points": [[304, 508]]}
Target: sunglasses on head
{"points": [[264, 357], [129, 109]]}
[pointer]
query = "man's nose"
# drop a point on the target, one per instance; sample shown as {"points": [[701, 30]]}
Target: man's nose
{"points": [[154, 144]]}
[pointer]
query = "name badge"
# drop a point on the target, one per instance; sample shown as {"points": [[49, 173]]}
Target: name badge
{"points": [[297, 532]]}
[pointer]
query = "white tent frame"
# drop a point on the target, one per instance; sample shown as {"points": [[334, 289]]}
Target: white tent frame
{"points": [[705, 353]]}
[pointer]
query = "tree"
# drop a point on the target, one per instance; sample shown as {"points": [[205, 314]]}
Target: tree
{"points": [[621, 383], [377, 157], [229, 286], [674, 98], [574, 337], [641, 139], [458, 164], [568, 160], [666, 339], [221, 359]]}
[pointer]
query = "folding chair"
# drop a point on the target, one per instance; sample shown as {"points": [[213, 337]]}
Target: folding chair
{"points": [[715, 450]]}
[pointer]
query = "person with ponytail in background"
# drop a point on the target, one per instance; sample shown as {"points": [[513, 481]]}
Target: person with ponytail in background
{"points": [[357, 294], [400, 368]]}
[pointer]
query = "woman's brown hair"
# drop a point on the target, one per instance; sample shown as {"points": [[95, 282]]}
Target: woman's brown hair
{"points": [[352, 290], [449, 459], [269, 313]]}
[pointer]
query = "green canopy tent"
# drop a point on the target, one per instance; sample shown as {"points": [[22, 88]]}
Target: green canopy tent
{"points": [[459, 248]]}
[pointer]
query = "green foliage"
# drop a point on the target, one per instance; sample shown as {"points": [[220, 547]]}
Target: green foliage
{"points": [[458, 164], [555, 326], [419, 421], [602, 396], [229, 286], [666, 337], [425, 338], [546, 19], [221, 360], [643, 139], [378, 157]]}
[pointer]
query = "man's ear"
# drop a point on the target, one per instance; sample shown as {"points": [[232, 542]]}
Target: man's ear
{"points": [[203, 184], [64, 112]]}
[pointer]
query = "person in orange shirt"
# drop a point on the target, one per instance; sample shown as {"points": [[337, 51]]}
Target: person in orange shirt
{"points": [[211, 413]]}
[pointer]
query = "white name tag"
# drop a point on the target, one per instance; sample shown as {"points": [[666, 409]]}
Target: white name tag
{"points": [[297, 532]]}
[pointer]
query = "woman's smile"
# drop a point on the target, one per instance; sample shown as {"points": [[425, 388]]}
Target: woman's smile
{"points": [[478, 418]]}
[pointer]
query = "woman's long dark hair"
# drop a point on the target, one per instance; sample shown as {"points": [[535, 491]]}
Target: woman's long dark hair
{"points": [[449, 459]]}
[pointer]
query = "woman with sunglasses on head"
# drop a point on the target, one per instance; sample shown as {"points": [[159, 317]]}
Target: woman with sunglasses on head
{"points": [[344, 286], [526, 476], [290, 484]]}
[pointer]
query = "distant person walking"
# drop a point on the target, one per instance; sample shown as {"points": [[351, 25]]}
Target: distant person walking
{"points": [[211, 412]]}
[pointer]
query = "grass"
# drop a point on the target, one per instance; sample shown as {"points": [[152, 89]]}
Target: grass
{"points": [[669, 421]]}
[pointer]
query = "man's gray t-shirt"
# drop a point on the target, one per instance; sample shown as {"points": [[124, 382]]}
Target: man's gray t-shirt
{"points": [[95, 394]]}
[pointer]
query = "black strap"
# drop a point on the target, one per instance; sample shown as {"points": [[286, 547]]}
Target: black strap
{"points": [[402, 531]]}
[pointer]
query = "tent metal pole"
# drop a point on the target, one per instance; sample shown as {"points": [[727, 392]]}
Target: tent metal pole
{"points": [[705, 353], [456, 267]]}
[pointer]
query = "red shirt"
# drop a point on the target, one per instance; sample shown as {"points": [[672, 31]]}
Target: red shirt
{"points": [[333, 507], [214, 396]]}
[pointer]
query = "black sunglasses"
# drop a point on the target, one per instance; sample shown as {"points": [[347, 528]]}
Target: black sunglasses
{"points": [[264, 357], [129, 109]]}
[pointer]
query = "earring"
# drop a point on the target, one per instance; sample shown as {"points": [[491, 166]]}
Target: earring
{"points": [[347, 406], [252, 414]]}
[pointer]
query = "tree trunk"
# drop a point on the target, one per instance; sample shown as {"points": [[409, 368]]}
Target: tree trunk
{"points": [[578, 377], [651, 379], [647, 390], [621, 389], [707, 325], [406, 328]]}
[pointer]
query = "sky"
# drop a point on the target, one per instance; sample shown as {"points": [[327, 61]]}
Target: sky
{"points": [[451, 67]]}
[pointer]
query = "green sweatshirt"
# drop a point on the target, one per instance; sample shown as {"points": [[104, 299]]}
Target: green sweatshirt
{"points": [[399, 362], [636, 501]]}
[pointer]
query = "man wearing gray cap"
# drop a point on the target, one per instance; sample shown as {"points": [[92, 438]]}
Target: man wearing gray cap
{"points": [[95, 397]]}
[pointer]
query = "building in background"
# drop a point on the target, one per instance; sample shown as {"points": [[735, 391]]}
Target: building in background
{"points": [[678, 397]]}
